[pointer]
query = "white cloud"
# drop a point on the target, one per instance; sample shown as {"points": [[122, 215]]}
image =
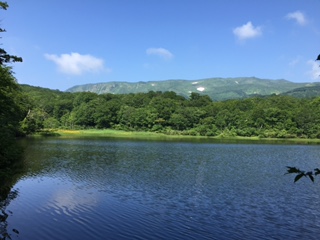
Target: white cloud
{"points": [[75, 63], [314, 73], [161, 52], [298, 17], [247, 31]]}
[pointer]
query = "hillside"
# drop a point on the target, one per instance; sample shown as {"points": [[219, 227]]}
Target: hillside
{"points": [[309, 91], [217, 89], [272, 116]]}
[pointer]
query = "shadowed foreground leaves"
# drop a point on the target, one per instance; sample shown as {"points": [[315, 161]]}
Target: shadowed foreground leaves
{"points": [[4, 232], [299, 173]]}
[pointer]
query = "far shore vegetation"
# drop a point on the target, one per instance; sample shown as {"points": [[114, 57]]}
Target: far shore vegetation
{"points": [[27, 110], [260, 117], [139, 135]]}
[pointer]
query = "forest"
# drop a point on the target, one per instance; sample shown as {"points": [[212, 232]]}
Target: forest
{"points": [[26, 109], [272, 116]]}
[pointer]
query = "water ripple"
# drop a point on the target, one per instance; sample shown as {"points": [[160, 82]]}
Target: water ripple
{"points": [[99, 189]]}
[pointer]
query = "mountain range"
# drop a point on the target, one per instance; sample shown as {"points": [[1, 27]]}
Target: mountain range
{"points": [[218, 89]]}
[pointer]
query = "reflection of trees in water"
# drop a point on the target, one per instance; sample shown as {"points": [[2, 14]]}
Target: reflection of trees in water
{"points": [[8, 178], [4, 214]]}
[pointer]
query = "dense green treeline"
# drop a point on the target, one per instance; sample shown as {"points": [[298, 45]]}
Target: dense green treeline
{"points": [[167, 112], [12, 109]]}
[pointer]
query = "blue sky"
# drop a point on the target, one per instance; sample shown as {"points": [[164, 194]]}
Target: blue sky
{"points": [[67, 42]]}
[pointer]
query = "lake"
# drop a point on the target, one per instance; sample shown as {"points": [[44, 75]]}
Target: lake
{"points": [[124, 189]]}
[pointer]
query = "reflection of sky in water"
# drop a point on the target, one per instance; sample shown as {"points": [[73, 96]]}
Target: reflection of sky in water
{"points": [[59, 194], [48, 205], [69, 198], [95, 189]]}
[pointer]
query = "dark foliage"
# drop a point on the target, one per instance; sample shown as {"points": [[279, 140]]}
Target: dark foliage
{"points": [[12, 109], [300, 174]]}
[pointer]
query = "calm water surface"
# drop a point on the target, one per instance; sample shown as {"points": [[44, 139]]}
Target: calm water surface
{"points": [[121, 189]]}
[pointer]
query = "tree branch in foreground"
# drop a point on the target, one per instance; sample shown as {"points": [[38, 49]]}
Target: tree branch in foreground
{"points": [[299, 173]]}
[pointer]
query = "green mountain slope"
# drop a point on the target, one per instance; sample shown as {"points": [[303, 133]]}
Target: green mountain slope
{"points": [[309, 91], [217, 89]]}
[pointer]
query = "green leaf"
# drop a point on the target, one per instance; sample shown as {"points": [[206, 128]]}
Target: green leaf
{"points": [[316, 171], [293, 170], [310, 175], [4, 5], [297, 178]]}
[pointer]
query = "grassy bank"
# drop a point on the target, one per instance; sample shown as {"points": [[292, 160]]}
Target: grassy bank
{"points": [[110, 133], [113, 133]]}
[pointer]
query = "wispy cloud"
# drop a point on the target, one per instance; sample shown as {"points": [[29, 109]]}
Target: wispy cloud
{"points": [[298, 16], [161, 52], [247, 31], [75, 63], [295, 61], [314, 73]]}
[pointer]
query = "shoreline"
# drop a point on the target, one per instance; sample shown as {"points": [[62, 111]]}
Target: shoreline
{"points": [[110, 133]]}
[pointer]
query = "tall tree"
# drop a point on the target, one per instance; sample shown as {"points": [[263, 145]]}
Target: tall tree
{"points": [[11, 106]]}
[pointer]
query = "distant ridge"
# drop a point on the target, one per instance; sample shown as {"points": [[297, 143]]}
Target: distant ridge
{"points": [[309, 91], [217, 89]]}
